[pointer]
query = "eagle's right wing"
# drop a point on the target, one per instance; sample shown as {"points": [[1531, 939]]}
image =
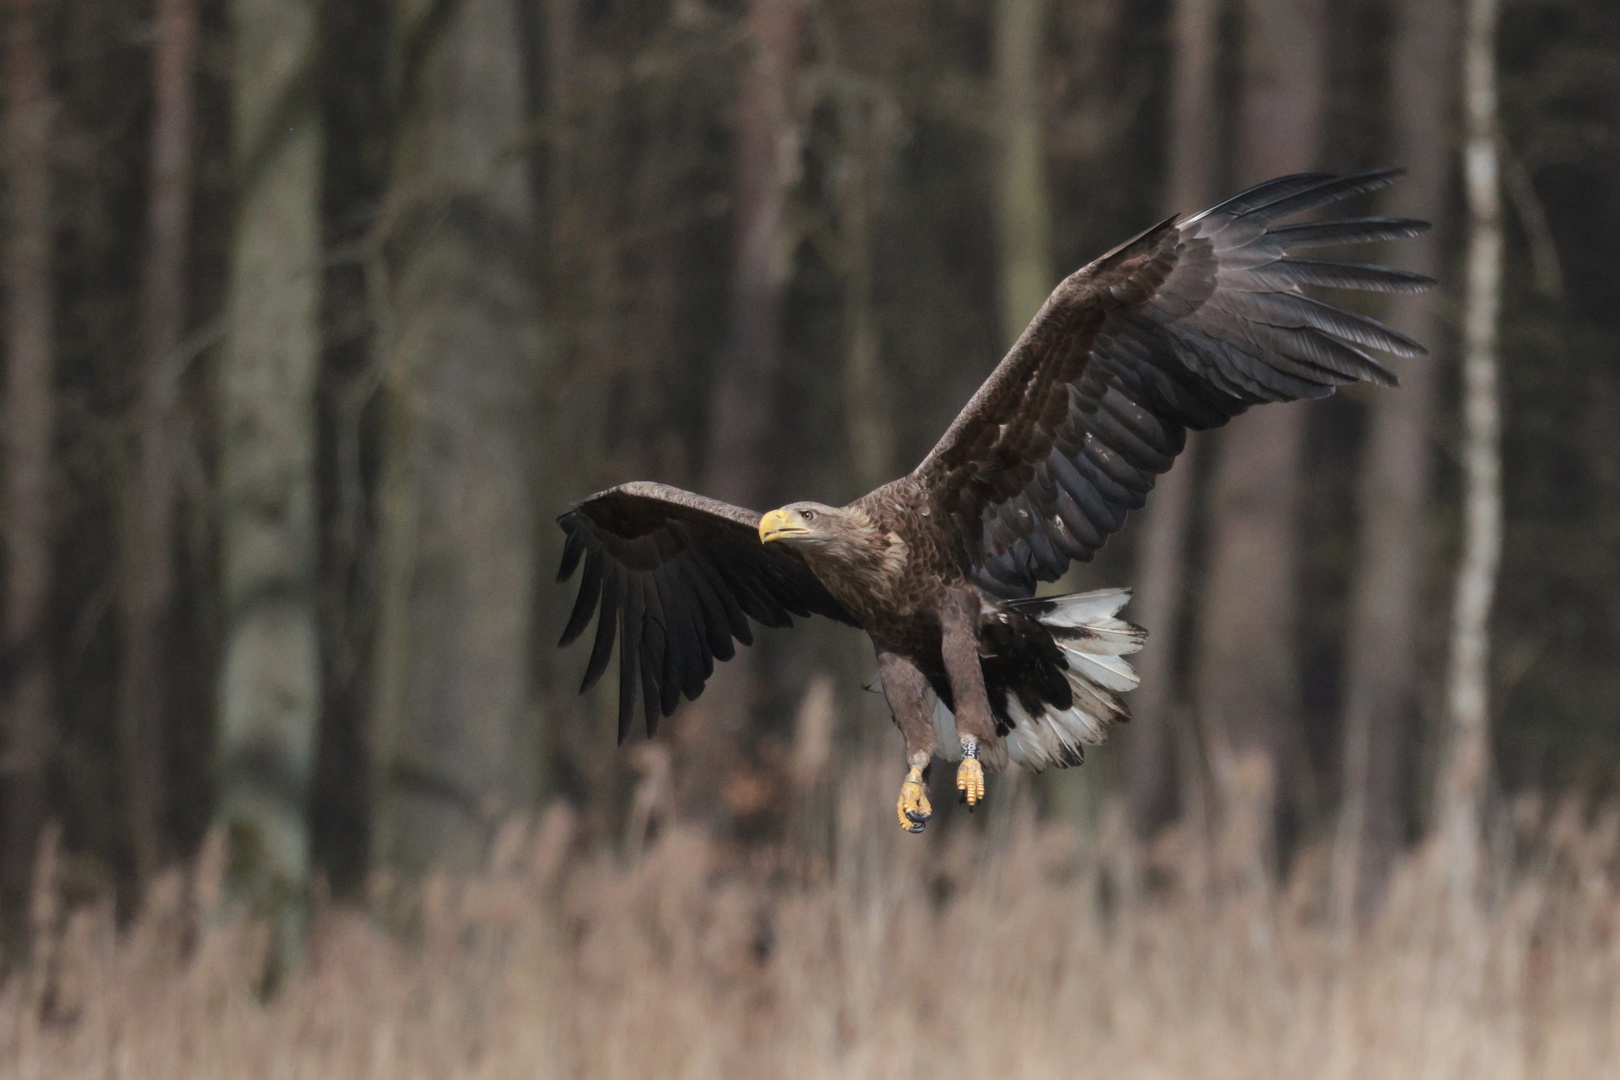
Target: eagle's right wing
{"points": [[677, 577], [1181, 328]]}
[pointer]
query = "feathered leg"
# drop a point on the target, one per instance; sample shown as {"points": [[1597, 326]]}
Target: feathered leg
{"points": [[974, 725], [906, 689]]}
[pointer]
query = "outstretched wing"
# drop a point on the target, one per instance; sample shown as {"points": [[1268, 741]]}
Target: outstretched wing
{"points": [[1181, 328], [677, 577]]}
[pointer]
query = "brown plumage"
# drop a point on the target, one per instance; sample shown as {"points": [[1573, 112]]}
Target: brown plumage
{"points": [[1182, 327]]}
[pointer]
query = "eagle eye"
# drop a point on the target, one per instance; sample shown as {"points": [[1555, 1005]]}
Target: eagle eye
{"points": [[807, 514]]}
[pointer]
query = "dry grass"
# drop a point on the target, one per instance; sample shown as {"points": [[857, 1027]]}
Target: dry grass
{"points": [[1021, 956]]}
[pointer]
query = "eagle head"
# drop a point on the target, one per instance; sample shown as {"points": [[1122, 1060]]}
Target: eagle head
{"points": [[803, 523], [854, 558]]}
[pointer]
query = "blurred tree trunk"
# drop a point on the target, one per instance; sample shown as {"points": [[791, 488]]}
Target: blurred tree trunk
{"points": [[742, 415], [30, 431], [269, 689], [1023, 204], [562, 43], [1467, 750], [1247, 671], [1024, 260], [767, 162], [455, 723], [1162, 564], [867, 410], [1381, 668], [149, 500]]}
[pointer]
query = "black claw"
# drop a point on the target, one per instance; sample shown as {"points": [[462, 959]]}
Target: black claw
{"points": [[915, 827], [918, 819]]}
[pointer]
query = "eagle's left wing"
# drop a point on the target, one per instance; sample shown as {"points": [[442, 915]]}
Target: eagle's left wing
{"points": [[1181, 328], [677, 576]]}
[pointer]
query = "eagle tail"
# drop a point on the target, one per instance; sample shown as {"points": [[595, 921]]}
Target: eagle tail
{"points": [[1092, 641]]}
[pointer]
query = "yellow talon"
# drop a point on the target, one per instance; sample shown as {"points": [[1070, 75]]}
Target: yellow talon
{"points": [[970, 781], [914, 810]]}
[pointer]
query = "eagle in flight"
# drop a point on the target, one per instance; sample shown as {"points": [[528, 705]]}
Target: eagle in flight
{"points": [[1179, 329]]}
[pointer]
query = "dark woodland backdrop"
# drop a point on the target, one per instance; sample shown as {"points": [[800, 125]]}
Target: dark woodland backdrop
{"points": [[316, 314]]}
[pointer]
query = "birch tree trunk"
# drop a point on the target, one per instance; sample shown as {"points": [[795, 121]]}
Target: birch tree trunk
{"points": [[1467, 750], [29, 434], [1162, 564], [149, 502], [1381, 668], [1247, 672], [1023, 204], [456, 722], [269, 689]]}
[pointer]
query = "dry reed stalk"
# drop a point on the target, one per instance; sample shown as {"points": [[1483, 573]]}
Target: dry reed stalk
{"points": [[898, 958]]}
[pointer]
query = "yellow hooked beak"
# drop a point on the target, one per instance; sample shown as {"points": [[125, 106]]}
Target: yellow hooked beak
{"points": [[779, 525]]}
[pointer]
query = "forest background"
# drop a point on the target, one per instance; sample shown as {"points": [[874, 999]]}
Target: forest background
{"points": [[316, 314]]}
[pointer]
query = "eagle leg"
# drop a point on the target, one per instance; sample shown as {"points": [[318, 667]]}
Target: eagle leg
{"points": [[914, 809], [970, 774], [906, 689], [959, 625]]}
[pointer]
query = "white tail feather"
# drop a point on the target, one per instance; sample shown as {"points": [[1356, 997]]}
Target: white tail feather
{"points": [[1088, 609], [1109, 641], [1104, 670]]}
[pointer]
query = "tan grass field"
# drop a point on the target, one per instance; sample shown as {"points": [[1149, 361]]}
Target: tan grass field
{"points": [[1010, 950]]}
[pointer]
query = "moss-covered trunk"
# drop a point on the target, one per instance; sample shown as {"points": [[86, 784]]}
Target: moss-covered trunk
{"points": [[269, 682], [456, 721]]}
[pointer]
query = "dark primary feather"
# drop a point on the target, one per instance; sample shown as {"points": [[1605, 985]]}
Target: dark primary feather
{"points": [[1182, 327], [676, 578]]}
